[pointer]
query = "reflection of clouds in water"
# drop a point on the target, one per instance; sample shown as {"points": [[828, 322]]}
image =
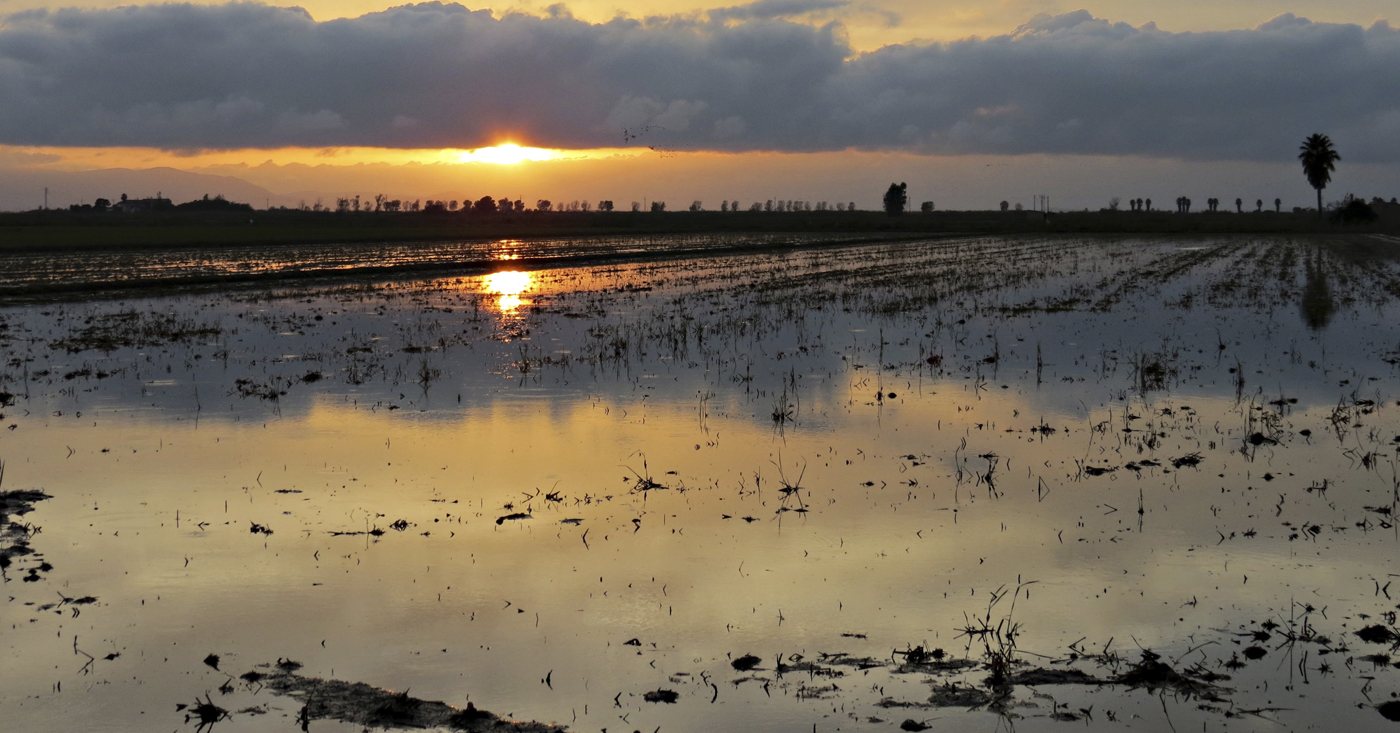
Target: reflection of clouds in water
{"points": [[509, 285]]}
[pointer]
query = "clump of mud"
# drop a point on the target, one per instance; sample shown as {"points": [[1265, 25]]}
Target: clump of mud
{"points": [[361, 704], [15, 535], [1377, 634], [996, 694]]}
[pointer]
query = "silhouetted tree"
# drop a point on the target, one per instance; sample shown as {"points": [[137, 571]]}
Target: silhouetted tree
{"points": [[926, 207], [1278, 206], [1355, 211], [658, 206], [1239, 206], [1005, 206], [543, 205], [1114, 203], [1149, 204], [485, 205], [606, 205], [101, 205], [734, 205], [695, 206], [1319, 161], [896, 199], [1259, 205]]}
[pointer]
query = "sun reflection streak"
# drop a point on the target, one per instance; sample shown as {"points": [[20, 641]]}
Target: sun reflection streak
{"points": [[509, 284]]}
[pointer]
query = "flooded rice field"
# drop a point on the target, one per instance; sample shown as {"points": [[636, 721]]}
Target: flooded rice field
{"points": [[36, 273], [956, 484]]}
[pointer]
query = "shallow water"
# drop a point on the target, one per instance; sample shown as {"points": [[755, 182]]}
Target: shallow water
{"points": [[43, 273], [787, 454]]}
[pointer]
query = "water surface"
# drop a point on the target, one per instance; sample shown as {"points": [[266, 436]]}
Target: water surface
{"points": [[553, 492]]}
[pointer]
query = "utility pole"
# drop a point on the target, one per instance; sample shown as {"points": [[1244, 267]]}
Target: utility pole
{"points": [[46, 198]]}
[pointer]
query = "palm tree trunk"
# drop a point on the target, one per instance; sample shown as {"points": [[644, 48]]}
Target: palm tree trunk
{"points": [[1319, 203]]}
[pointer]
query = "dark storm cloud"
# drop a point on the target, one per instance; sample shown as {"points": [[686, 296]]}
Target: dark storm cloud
{"points": [[770, 9], [434, 75]]}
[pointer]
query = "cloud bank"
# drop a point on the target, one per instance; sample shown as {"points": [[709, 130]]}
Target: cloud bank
{"points": [[743, 78]]}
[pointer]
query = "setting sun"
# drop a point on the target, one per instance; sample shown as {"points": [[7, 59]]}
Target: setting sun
{"points": [[507, 154]]}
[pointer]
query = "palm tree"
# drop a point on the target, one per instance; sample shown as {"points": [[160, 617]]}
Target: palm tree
{"points": [[1319, 160]]}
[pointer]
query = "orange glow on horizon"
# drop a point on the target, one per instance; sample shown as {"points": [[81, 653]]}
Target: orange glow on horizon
{"points": [[95, 158]]}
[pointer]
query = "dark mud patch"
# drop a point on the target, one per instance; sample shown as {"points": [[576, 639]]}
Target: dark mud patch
{"points": [[928, 661], [746, 663], [958, 696], [796, 665], [361, 704], [667, 696], [946, 695], [1038, 677], [996, 695], [946, 666], [1377, 634], [15, 535], [839, 659], [1152, 675]]}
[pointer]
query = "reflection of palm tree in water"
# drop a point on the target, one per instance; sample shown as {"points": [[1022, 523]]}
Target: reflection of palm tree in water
{"points": [[1317, 306]]}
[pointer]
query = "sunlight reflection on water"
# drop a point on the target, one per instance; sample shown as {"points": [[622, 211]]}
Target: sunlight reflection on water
{"points": [[509, 285]]}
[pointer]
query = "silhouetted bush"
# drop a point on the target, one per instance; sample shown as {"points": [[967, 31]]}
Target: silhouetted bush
{"points": [[218, 203], [1355, 211]]}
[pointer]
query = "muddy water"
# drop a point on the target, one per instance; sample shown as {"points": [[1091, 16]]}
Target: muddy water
{"points": [[550, 494]]}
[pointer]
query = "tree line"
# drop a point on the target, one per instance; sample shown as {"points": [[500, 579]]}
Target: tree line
{"points": [[505, 205]]}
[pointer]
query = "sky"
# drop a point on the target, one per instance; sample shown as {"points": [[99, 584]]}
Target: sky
{"points": [[972, 103]]}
